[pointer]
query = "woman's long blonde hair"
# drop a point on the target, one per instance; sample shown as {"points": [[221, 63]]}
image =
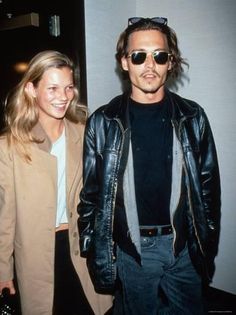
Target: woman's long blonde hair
{"points": [[21, 110]]}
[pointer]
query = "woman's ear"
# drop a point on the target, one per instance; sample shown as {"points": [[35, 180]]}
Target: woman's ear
{"points": [[30, 90]]}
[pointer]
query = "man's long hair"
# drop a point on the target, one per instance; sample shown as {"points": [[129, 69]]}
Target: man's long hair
{"points": [[145, 25]]}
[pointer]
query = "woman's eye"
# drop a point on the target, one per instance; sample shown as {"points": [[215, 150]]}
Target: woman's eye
{"points": [[52, 88]]}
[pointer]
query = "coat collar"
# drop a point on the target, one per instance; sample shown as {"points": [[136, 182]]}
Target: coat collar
{"points": [[45, 144], [180, 108], [118, 109], [40, 135], [74, 145]]}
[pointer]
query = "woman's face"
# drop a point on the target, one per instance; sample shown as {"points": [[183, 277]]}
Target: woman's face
{"points": [[54, 93]]}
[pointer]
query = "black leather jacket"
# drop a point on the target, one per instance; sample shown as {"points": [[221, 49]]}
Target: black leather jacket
{"points": [[106, 133]]}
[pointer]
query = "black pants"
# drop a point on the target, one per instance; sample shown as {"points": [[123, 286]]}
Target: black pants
{"points": [[69, 297]]}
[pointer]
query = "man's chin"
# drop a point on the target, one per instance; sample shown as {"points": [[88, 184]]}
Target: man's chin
{"points": [[151, 90]]}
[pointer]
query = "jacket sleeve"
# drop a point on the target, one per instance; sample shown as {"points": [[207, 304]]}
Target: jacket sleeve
{"points": [[7, 214], [90, 191], [210, 186]]}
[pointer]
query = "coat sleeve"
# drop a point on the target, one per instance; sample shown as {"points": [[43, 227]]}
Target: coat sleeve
{"points": [[7, 214], [90, 191], [210, 185]]}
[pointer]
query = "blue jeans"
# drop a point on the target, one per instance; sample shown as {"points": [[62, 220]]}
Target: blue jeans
{"points": [[160, 270]]}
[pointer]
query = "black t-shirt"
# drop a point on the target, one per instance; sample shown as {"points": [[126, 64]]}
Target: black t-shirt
{"points": [[152, 137]]}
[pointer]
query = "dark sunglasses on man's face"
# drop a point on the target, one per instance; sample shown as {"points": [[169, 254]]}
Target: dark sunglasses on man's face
{"points": [[139, 57], [157, 20]]}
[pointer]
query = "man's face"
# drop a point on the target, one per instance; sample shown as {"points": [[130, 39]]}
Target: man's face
{"points": [[147, 79]]}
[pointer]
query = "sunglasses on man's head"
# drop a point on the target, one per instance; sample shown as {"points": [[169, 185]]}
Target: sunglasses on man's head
{"points": [[139, 57], [158, 20]]}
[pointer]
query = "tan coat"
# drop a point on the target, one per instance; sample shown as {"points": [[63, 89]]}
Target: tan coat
{"points": [[28, 199]]}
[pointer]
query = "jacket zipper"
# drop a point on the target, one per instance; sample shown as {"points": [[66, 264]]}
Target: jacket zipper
{"points": [[115, 191]]}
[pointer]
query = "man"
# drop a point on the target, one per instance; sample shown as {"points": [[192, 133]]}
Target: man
{"points": [[150, 206]]}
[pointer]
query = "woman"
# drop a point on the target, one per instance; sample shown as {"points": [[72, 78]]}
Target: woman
{"points": [[40, 182]]}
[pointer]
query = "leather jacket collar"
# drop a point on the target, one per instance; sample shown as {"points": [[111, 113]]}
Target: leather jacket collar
{"points": [[180, 109]]}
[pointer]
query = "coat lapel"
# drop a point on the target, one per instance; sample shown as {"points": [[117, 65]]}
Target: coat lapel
{"points": [[74, 146]]}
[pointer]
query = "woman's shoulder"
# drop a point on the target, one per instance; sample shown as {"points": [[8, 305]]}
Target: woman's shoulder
{"points": [[6, 149], [74, 129], [74, 125], [3, 141]]}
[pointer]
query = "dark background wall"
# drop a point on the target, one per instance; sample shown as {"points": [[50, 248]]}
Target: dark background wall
{"points": [[22, 43]]}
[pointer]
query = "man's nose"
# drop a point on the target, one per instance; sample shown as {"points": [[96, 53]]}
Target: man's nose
{"points": [[150, 60]]}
